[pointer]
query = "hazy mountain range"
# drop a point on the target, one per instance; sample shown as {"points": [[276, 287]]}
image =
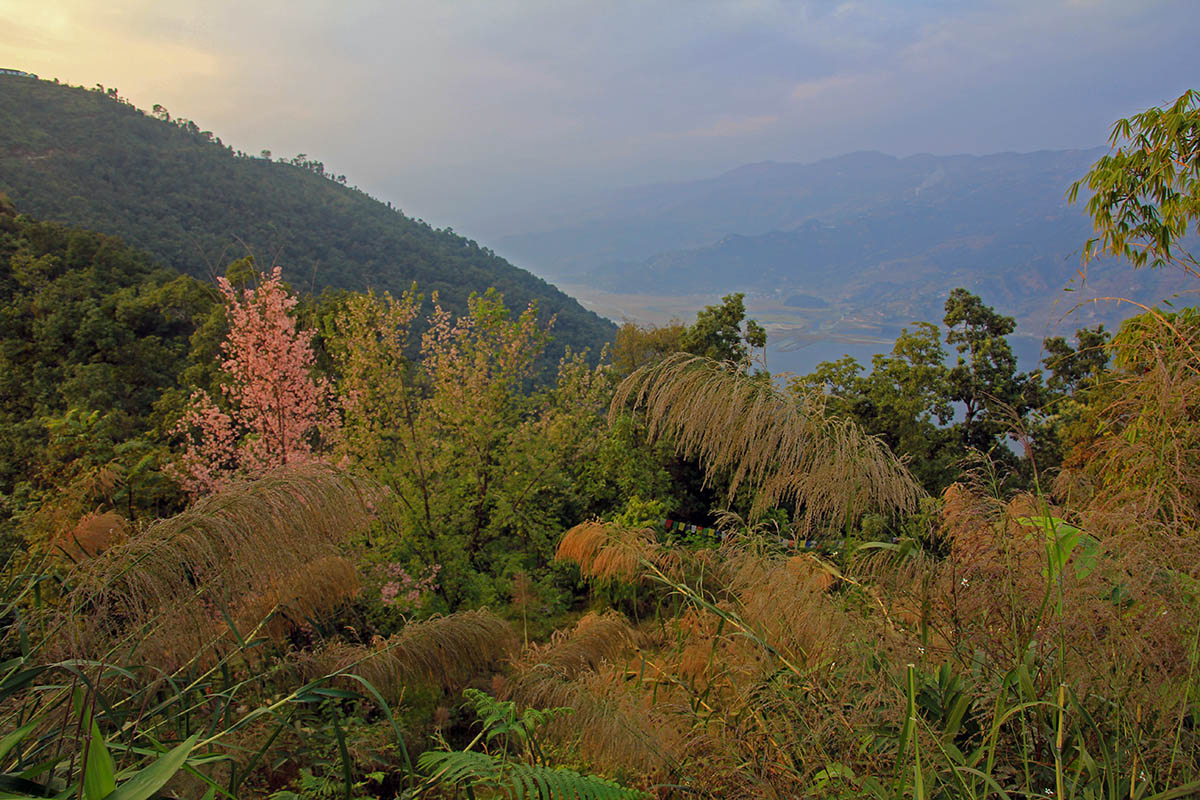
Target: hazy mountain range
{"points": [[839, 253], [851, 245]]}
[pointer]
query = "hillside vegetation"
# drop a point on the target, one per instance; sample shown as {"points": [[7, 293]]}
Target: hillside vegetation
{"points": [[86, 158], [295, 548]]}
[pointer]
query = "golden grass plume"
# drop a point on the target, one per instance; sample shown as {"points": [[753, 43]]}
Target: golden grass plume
{"points": [[310, 593], [615, 724], [445, 652], [163, 590], [789, 452], [606, 551], [93, 534]]}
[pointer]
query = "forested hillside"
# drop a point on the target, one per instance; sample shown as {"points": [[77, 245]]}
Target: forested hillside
{"points": [[94, 336], [86, 158]]}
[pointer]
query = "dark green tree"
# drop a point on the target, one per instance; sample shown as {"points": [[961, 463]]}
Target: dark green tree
{"points": [[985, 378], [722, 332], [92, 333], [904, 400], [1075, 381], [1078, 367]]}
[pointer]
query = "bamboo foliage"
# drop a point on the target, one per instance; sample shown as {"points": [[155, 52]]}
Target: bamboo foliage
{"points": [[742, 426]]}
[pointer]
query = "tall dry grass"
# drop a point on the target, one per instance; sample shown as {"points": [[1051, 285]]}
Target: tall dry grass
{"points": [[782, 668], [609, 552], [1135, 478], [596, 669], [444, 652], [172, 591], [723, 696], [741, 427]]}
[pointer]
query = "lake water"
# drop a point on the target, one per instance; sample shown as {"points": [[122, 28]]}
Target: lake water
{"points": [[783, 356]]}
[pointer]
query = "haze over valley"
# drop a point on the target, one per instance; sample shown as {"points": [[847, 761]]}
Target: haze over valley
{"points": [[679, 152], [837, 256]]}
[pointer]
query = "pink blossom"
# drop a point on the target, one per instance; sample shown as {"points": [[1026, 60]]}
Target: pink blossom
{"points": [[277, 410]]}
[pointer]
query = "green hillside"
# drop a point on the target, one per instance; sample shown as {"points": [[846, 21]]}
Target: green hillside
{"points": [[89, 159]]}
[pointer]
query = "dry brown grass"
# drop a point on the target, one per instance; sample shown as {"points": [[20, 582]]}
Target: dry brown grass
{"points": [[610, 552], [160, 594], [1135, 480], [444, 652], [95, 533], [311, 593], [593, 669], [785, 601], [1119, 633], [776, 669], [727, 707]]}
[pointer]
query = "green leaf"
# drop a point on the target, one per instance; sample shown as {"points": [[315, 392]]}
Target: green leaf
{"points": [[99, 775], [14, 786], [152, 778], [345, 757], [18, 681], [13, 739]]}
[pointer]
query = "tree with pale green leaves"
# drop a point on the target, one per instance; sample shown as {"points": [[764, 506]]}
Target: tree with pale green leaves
{"points": [[1146, 192]]}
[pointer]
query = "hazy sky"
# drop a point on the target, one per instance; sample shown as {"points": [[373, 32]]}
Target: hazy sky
{"points": [[483, 115]]}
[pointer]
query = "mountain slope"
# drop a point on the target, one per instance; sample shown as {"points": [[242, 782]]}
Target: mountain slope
{"points": [[82, 157]]}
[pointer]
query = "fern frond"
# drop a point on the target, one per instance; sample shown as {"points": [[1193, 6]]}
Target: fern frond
{"points": [[788, 451], [459, 767], [518, 781]]}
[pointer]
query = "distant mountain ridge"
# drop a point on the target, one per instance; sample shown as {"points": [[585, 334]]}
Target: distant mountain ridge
{"points": [[85, 158], [639, 223], [878, 237]]}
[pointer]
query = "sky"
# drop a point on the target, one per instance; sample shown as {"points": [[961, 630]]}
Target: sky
{"points": [[490, 116]]}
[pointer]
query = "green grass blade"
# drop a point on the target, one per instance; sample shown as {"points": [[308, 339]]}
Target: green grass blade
{"points": [[149, 780]]}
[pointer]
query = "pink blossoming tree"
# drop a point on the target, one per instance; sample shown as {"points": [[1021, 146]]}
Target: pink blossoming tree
{"points": [[275, 412]]}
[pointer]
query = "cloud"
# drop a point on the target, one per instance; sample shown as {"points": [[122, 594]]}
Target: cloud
{"points": [[728, 126], [832, 84], [461, 112]]}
